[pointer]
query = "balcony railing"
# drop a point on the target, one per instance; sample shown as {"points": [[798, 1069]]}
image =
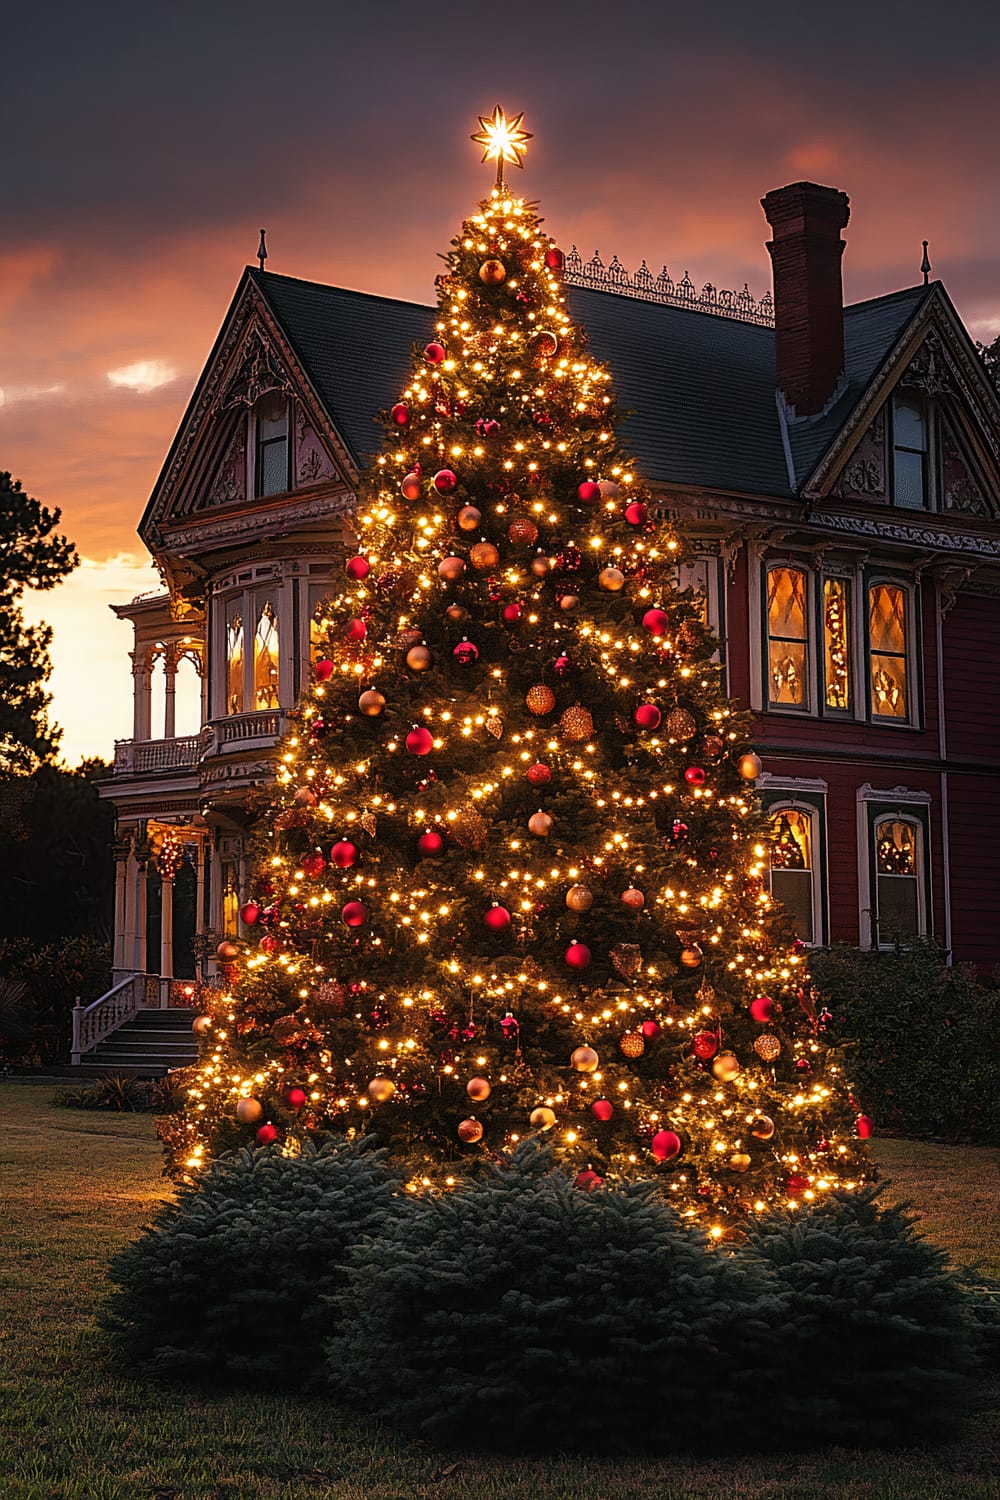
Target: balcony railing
{"points": [[239, 727], [141, 757]]}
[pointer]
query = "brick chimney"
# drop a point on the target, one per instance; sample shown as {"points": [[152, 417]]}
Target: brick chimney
{"points": [[808, 292]]}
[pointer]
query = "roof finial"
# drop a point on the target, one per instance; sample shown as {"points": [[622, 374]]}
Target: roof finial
{"points": [[925, 264], [262, 249]]}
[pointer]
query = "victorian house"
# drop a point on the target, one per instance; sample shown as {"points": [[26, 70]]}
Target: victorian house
{"points": [[837, 468]]}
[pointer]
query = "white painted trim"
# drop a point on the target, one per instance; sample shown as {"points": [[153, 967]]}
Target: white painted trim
{"points": [[818, 884], [901, 797], [766, 782], [943, 754]]}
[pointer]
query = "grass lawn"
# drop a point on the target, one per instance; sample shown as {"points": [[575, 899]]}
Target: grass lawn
{"points": [[76, 1185]]}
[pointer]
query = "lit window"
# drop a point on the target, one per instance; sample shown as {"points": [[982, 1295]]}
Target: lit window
{"points": [[837, 642], [887, 648], [234, 664], [786, 637], [897, 878], [909, 452], [792, 869], [319, 624], [265, 659], [271, 468]]}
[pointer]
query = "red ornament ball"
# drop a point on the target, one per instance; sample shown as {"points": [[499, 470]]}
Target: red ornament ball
{"points": [[249, 913], [430, 844], [554, 258], [497, 919], [665, 1145], [354, 914], [400, 414], [324, 670], [419, 741], [539, 774], [655, 621], [866, 1126], [295, 1098], [343, 854], [762, 1009], [648, 716], [694, 776], [313, 863], [358, 568], [445, 481], [410, 486], [266, 1134], [269, 944], [796, 1184], [602, 1109], [588, 1180], [704, 1045], [636, 513], [434, 353], [356, 631], [650, 1030], [465, 653], [588, 492], [578, 956], [511, 613]]}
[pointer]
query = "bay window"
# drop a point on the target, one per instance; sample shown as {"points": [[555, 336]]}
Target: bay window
{"points": [[888, 666], [787, 637]]}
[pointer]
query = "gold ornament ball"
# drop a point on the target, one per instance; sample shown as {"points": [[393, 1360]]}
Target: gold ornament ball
{"points": [[611, 579], [451, 568], [767, 1048], [492, 272], [750, 766], [541, 565], [539, 824], [456, 613], [201, 1025], [740, 1161], [248, 1111], [540, 699], [714, 745], [523, 533], [305, 797], [469, 829], [726, 1066], [410, 487], [634, 898], [418, 659], [632, 1044], [762, 1128], [679, 724], [227, 952], [470, 1131], [569, 602], [584, 1059], [484, 555], [380, 1090], [469, 517], [579, 898], [478, 1089], [542, 1118], [371, 703], [576, 723], [691, 957]]}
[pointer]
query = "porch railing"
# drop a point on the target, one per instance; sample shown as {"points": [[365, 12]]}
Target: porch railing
{"points": [[140, 757], [92, 1023]]}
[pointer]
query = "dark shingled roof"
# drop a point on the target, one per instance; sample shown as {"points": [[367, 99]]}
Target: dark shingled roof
{"points": [[701, 388]]}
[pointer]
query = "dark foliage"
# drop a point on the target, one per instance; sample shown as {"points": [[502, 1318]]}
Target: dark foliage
{"points": [[990, 356], [122, 1093], [235, 1277], [43, 983], [533, 1314], [923, 1040], [879, 1344]]}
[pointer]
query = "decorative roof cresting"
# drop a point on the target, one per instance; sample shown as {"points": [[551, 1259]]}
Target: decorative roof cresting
{"points": [[595, 275]]}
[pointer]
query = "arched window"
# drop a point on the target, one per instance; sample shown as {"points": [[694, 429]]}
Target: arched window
{"points": [[888, 650], [793, 870], [898, 878], [265, 659], [787, 637], [837, 642], [234, 664]]}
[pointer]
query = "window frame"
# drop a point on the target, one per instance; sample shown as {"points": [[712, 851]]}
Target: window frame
{"points": [[807, 708], [256, 444], [903, 806], [803, 794], [914, 716], [927, 454]]}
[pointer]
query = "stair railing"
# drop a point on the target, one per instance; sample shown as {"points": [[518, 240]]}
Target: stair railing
{"points": [[92, 1023]]}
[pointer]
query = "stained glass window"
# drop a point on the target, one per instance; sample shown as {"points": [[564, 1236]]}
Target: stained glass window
{"points": [[792, 871], [786, 636], [887, 647], [234, 664], [837, 642], [897, 875], [265, 659]]}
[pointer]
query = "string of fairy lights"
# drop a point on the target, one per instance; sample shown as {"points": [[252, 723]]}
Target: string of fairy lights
{"points": [[454, 822]]}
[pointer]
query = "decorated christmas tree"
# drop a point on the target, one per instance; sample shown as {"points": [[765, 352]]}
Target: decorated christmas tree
{"points": [[513, 879]]}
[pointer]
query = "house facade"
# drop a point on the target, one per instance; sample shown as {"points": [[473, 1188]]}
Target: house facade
{"points": [[836, 469]]}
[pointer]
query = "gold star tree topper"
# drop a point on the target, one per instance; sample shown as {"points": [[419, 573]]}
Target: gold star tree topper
{"points": [[502, 140]]}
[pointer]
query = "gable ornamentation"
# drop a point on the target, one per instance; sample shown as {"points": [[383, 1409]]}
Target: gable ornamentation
{"points": [[865, 474], [259, 370]]}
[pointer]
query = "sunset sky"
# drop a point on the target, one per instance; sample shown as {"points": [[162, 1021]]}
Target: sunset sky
{"points": [[145, 146]]}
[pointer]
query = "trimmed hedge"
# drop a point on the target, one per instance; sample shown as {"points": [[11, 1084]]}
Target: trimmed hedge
{"points": [[235, 1277], [522, 1311], [923, 1039]]}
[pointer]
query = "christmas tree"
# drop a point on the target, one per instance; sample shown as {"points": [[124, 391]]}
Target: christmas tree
{"points": [[513, 879]]}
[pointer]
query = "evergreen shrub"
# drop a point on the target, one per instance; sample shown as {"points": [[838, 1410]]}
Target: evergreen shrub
{"points": [[923, 1039], [235, 1276], [523, 1311], [879, 1344]]}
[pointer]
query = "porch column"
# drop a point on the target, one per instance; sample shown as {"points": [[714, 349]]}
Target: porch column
{"points": [[203, 674], [123, 849], [142, 696], [170, 665], [166, 927], [140, 960], [129, 914], [199, 910]]}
